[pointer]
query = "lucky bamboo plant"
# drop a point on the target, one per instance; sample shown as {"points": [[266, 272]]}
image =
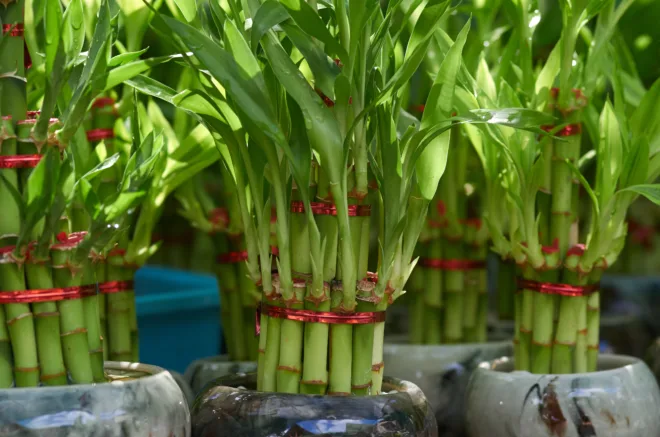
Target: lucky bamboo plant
{"points": [[305, 109], [51, 322], [560, 253]]}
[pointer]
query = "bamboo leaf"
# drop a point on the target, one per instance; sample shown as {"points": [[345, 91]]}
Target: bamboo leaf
{"points": [[636, 166], [234, 79], [324, 69], [650, 191], [310, 22], [121, 74], [52, 29], [125, 58], [645, 120], [433, 160], [73, 32], [188, 8], [610, 154], [270, 14]]}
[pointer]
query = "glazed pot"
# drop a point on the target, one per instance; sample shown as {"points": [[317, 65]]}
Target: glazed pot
{"points": [[201, 372], [224, 410], [140, 400], [442, 372], [622, 399]]}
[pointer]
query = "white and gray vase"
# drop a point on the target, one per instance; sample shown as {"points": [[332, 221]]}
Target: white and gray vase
{"points": [[442, 372], [622, 399], [140, 400]]}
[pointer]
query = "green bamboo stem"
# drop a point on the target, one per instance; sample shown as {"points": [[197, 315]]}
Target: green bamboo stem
{"points": [[580, 356], [416, 310], [47, 327], [19, 320], [93, 323], [249, 300], [119, 313], [289, 369], [315, 370], [272, 352], [593, 324], [563, 352], [10, 225], [433, 296], [6, 356], [562, 191], [506, 288], [526, 302], [100, 269], [454, 289], [232, 318], [261, 361], [544, 313], [363, 340], [72, 320]]}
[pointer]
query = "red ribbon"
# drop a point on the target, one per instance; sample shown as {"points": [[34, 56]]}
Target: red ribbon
{"points": [[117, 252], [308, 316], [115, 286], [102, 102], [321, 208], [568, 131], [19, 161], [46, 295], [274, 250], [232, 257], [13, 29], [219, 216], [557, 289], [32, 115], [100, 134], [452, 264], [68, 241]]}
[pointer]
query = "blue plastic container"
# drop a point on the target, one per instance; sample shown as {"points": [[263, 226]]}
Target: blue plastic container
{"points": [[178, 317]]}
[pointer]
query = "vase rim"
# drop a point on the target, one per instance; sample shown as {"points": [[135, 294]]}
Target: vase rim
{"points": [[451, 346], [619, 362], [398, 385], [151, 372]]}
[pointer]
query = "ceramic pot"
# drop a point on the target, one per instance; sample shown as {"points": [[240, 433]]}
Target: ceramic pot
{"points": [[140, 400], [224, 410], [622, 399], [201, 372], [442, 372]]}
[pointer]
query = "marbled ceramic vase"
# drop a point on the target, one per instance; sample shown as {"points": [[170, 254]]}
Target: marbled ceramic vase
{"points": [[201, 372], [622, 399], [140, 400], [442, 372], [229, 408]]}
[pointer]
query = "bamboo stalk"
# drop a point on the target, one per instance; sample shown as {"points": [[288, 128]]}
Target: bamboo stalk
{"points": [[315, 370], [289, 370], [433, 296], [119, 313], [47, 327]]}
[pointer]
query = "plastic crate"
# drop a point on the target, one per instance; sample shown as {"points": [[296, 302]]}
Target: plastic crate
{"points": [[178, 316]]}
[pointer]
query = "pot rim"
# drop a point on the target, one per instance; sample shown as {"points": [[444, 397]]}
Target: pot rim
{"points": [[451, 346], [630, 361], [191, 369], [399, 386], [153, 372]]}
